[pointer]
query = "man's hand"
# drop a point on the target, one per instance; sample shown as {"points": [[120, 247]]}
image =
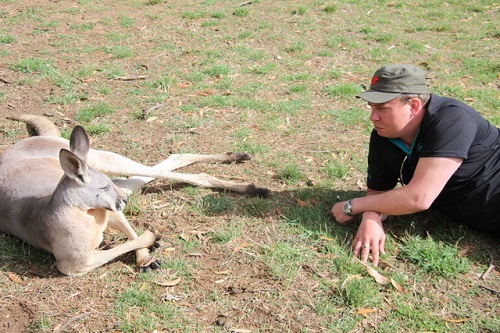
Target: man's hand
{"points": [[339, 215], [369, 238]]}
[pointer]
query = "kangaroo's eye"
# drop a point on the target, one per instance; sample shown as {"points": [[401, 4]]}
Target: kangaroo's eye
{"points": [[105, 188]]}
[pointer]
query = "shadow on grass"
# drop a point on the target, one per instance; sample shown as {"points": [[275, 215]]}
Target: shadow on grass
{"points": [[481, 247], [21, 258], [307, 208]]}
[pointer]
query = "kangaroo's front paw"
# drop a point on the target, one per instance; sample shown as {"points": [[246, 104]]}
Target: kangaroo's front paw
{"points": [[156, 244], [149, 265], [240, 157]]}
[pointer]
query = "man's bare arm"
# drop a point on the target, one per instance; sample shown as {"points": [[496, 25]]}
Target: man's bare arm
{"points": [[429, 179]]}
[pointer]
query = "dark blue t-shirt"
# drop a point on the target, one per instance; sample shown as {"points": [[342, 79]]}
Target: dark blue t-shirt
{"points": [[449, 129]]}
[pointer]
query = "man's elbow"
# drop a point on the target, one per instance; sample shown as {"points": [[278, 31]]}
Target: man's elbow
{"points": [[422, 203]]}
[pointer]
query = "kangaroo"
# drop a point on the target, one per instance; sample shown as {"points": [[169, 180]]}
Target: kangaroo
{"points": [[55, 195]]}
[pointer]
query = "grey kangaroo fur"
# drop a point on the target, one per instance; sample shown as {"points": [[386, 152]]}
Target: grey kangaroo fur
{"points": [[54, 195]]}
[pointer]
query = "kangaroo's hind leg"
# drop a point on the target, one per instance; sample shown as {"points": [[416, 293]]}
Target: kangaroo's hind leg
{"points": [[112, 163]]}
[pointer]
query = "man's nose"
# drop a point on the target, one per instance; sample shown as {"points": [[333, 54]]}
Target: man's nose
{"points": [[374, 115]]}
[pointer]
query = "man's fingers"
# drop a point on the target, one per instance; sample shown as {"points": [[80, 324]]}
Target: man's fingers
{"points": [[382, 245], [375, 254], [365, 252]]}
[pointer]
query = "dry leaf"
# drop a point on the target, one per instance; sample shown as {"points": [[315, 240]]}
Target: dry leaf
{"points": [[131, 271], [183, 85], [325, 238], [397, 286], [206, 92], [456, 320], [239, 330], [239, 248], [361, 184], [464, 251], [15, 278], [169, 283], [364, 312], [302, 203], [144, 285], [222, 272], [377, 276]]}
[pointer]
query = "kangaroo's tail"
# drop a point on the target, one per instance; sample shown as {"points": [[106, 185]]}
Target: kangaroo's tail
{"points": [[42, 125]]}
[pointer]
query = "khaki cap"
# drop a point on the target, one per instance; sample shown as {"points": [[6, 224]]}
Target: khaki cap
{"points": [[391, 81]]}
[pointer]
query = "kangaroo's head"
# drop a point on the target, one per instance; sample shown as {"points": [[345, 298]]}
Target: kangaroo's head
{"points": [[83, 186]]}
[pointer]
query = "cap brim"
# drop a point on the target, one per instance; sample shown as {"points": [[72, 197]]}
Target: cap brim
{"points": [[377, 97]]}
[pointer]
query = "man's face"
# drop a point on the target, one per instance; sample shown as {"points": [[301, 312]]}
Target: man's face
{"points": [[390, 119]]}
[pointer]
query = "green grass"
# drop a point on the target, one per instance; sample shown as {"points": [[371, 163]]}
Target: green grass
{"points": [[434, 257], [7, 39], [283, 261], [97, 129], [43, 324], [241, 12], [290, 173], [227, 234], [140, 311], [34, 65], [215, 205], [91, 112], [120, 51], [336, 170], [217, 70], [358, 292], [344, 90]]}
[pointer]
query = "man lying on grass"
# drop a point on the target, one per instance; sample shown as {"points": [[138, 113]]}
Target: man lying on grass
{"points": [[444, 153]]}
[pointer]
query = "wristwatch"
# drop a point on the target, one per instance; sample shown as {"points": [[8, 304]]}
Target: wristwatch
{"points": [[347, 208]]}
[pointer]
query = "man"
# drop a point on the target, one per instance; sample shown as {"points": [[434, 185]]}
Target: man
{"points": [[444, 153]]}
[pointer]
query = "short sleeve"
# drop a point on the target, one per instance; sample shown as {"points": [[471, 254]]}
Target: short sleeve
{"points": [[450, 133]]}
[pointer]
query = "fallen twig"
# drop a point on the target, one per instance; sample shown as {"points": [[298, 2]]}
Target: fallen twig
{"points": [[186, 132], [66, 324], [157, 106], [487, 272], [490, 289], [130, 78]]}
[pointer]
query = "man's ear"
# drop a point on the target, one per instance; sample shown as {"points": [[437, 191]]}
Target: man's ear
{"points": [[416, 105]]}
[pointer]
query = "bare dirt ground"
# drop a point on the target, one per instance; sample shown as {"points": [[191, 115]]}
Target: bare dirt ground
{"points": [[226, 288]]}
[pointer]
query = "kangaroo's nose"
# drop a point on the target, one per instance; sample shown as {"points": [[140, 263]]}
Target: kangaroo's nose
{"points": [[120, 203]]}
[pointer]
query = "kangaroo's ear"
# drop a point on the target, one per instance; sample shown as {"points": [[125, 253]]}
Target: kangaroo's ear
{"points": [[74, 167], [79, 142]]}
